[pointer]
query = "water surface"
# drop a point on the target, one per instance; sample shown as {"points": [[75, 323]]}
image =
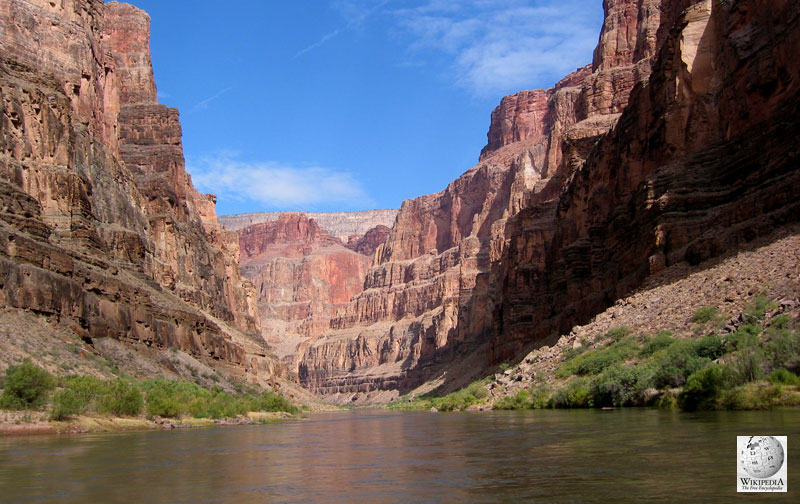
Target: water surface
{"points": [[623, 455]]}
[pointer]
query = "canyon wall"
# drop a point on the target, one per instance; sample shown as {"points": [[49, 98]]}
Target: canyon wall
{"points": [[101, 230], [428, 302], [342, 225], [642, 159], [703, 159], [302, 274]]}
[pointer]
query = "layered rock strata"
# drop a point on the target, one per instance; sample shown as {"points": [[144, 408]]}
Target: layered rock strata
{"points": [[703, 159], [342, 225], [301, 275], [641, 159], [100, 227]]}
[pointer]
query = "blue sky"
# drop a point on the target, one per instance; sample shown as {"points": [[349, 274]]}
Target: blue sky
{"points": [[326, 105]]}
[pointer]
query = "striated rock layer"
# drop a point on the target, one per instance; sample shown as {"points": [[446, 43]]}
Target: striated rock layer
{"points": [[675, 144], [342, 225], [301, 275], [101, 230], [428, 301], [703, 159]]}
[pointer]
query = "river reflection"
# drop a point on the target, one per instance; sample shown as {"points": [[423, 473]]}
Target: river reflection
{"points": [[366, 456]]}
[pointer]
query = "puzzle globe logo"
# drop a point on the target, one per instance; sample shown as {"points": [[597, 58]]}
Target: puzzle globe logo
{"points": [[761, 463]]}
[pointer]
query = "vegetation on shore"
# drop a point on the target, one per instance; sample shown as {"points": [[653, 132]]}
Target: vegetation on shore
{"points": [[475, 394], [29, 387], [753, 366]]}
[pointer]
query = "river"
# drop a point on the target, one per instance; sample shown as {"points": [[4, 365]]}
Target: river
{"points": [[624, 455]]}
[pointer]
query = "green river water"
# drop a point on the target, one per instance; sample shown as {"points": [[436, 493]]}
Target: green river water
{"points": [[624, 455]]}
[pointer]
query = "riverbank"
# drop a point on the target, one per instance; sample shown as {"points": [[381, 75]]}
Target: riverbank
{"points": [[16, 423], [34, 401], [721, 335]]}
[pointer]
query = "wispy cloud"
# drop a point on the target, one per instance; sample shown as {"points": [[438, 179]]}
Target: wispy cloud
{"points": [[203, 104], [320, 42], [273, 185], [355, 13], [497, 46]]}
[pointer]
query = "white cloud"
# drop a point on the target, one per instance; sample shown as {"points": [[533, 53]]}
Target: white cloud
{"points": [[273, 185], [500, 46]]}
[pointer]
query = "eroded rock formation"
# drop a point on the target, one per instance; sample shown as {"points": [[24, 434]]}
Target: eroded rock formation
{"points": [[341, 225], [703, 159], [301, 275], [674, 144], [677, 143], [369, 242], [100, 227]]}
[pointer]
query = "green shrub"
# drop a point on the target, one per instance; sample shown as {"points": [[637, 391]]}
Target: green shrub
{"points": [[744, 337], [669, 376], [454, 402], [617, 333], [668, 400], [270, 401], [168, 398], [711, 347], [660, 341], [758, 308], [516, 402], [220, 405], [751, 397], [705, 314], [612, 388], [477, 390], [571, 353], [574, 395], [748, 367], [781, 321], [595, 361], [160, 403], [87, 389], [783, 350], [674, 364], [540, 396], [26, 386], [589, 363], [703, 388], [784, 377], [121, 398], [620, 385], [65, 404]]}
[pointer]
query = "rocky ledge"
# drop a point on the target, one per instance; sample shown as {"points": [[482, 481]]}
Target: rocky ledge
{"points": [[101, 231]]}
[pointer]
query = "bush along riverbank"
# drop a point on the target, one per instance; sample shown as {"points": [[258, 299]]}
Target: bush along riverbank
{"points": [[750, 363], [34, 400]]}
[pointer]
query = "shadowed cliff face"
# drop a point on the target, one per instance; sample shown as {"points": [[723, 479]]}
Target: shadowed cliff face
{"points": [[642, 159], [702, 160], [100, 227], [428, 300]]}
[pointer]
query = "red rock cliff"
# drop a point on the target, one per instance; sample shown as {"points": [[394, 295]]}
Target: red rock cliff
{"points": [[100, 226], [702, 159], [557, 219], [301, 274]]}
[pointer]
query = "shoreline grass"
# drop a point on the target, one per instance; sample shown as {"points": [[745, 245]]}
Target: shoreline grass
{"points": [[81, 402]]}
